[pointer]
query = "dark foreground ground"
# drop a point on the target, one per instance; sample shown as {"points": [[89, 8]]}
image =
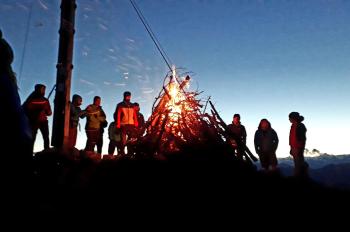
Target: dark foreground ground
{"points": [[79, 185]]}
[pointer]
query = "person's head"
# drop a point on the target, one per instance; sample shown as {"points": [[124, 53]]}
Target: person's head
{"points": [[97, 100], [137, 107], [77, 100], [127, 96], [264, 124], [236, 119], [40, 89], [295, 117], [6, 52]]}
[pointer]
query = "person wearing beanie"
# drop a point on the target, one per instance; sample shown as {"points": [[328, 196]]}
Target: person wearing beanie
{"points": [[297, 141]]}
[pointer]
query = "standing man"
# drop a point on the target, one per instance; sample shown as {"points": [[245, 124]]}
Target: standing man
{"points": [[140, 119], [75, 114], [239, 132], [297, 141], [104, 124], [95, 116], [37, 108], [126, 119]]}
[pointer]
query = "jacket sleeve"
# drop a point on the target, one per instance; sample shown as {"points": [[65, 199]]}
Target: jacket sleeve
{"points": [[257, 142], [136, 123], [48, 110], [275, 140], [244, 135], [82, 113], [102, 117], [117, 116]]}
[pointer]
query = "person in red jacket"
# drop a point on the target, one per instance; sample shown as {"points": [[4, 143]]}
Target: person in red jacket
{"points": [[297, 141], [37, 108], [125, 117]]}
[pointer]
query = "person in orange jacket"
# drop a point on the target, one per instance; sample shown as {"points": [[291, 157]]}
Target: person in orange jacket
{"points": [[125, 117]]}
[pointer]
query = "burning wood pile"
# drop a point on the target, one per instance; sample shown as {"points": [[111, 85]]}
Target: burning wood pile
{"points": [[179, 124]]}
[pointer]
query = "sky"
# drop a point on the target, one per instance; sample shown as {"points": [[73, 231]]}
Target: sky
{"points": [[258, 58]]}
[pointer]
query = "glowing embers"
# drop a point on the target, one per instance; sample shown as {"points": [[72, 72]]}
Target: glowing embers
{"points": [[176, 116]]}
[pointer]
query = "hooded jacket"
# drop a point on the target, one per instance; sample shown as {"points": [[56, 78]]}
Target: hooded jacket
{"points": [[37, 107]]}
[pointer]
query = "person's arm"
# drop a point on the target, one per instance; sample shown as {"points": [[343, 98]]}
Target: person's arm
{"points": [[136, 123], [102, 115], [244, 135], [118, 111], [48, 110], [275, 140], [82, 113], [257, 142]]}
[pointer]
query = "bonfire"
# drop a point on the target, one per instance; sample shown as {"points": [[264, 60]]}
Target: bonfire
{"points": [[179, 120]]}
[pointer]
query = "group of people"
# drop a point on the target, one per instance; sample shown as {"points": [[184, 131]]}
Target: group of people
{"points": [[266, 142], [127, 126]]}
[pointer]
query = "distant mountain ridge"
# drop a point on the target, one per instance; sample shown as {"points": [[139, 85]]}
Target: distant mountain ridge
{"points": [[316, 162], [331, 170]]}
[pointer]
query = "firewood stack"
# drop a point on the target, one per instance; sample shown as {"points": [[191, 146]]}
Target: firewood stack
{"points": [[177, 124]]}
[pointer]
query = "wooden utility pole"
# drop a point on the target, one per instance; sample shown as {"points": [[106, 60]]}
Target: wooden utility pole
{"points": [[60, 129]]}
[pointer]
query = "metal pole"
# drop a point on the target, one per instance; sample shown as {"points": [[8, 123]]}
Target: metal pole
{"points": [[60, 129]]}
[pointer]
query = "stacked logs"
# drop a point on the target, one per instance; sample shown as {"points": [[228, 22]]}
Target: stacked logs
{"points": [[177, 124]]}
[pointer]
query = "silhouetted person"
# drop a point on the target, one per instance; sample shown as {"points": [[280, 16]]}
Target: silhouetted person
{"points": [[297, 141], [238, 130], [75, 113], [99, 143], [266, 142], [140, 119], [115, 139], [16, 142], [94, 117], [37, 108], [126, 119]]}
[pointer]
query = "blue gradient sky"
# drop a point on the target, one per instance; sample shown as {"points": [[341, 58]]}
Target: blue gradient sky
{"points": [[262, 59]]}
